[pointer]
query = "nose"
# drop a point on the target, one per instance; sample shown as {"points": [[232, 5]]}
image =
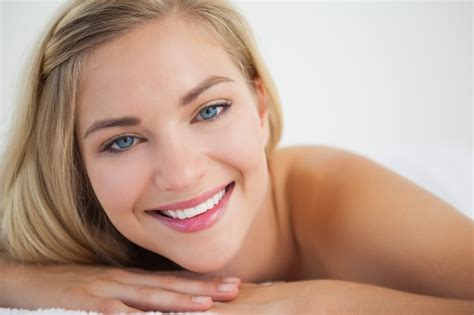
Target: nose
{"points": [[178, 166]]}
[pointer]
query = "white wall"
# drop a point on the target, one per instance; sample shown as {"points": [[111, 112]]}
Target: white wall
{"points": [[21, 22], [392, 80], [377, 72]]}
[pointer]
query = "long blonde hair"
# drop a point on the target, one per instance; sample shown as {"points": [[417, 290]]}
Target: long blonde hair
{"points": [[50, 213]]}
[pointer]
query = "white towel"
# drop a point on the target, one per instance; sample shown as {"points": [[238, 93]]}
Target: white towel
{"points": [[57, 311]]}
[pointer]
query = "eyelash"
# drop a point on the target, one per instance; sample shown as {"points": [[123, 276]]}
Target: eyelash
{"points": [[107, 147]]}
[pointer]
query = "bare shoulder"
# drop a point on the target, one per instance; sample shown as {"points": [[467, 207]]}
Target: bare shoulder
{"points": [[355, 220], [302, 176], [299, 179]]}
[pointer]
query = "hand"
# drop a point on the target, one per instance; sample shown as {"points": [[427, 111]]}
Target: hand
{"points": [[112, 290]]}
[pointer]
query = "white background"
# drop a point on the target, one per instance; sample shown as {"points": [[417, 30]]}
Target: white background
{"points": [[390, 80]]}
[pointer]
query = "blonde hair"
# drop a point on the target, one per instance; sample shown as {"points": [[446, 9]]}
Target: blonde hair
{"points": [[50, 213]]}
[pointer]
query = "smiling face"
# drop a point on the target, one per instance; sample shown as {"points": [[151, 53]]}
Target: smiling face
{"points": [[188, 124]]}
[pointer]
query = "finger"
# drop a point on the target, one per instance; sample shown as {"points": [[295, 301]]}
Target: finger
{"points": [[218, 289], [185, 274], [193, 275], [156, 299]]}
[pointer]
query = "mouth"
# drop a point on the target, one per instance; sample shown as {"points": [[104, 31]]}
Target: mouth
{"points": [[200, 216]]}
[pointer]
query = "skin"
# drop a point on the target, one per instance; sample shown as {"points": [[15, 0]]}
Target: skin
{"points": [[317, 212], [177, 158], [308, 213]]}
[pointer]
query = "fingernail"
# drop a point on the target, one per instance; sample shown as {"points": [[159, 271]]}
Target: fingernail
{"points": [[230, 280], [200, 299], [226, 287]]}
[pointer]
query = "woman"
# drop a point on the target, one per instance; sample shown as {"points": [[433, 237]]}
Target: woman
{"points": [[148, 141]]}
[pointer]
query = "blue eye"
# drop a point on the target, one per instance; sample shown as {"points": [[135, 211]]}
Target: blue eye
{"points": [[213, 112], [127, 142], [124, 142], [120, 144], [209, 112]]}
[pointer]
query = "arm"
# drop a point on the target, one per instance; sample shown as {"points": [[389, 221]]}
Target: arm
{"points": [[106, 289], [336, 297], [376, 227]]}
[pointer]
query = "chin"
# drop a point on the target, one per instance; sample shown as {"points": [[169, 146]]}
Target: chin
{"points": [[204, 268], [207, 262]]}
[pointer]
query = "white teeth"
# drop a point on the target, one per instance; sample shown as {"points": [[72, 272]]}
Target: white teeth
{"points": [[181, 214], [215, 200], [210, 203], [201, 208], [173, 214]]}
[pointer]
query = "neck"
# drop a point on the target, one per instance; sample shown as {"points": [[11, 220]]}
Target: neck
{"points": [[267, 253]]}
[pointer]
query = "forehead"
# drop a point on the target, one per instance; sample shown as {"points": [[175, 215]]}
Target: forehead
{"points": [[159, 60]]}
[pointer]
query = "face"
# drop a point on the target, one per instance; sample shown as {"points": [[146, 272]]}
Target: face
{"points": [[194, 125]]}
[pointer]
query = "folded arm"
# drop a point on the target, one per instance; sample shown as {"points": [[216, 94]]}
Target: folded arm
{"points": [[336, 297]]}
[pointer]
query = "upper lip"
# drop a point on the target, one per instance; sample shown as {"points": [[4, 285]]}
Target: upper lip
{"points": [[190, 202]]}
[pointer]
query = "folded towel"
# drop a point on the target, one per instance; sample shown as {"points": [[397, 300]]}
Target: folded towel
{"points": [[48, 311], [57, 311]]}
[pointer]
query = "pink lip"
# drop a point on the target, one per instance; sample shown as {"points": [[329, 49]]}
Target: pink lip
{"points": [[191, 202], [199, 222]]}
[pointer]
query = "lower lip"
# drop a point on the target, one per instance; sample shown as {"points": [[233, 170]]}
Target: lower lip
{"points": [[199, 222]]}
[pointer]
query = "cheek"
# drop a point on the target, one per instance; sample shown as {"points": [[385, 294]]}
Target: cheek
{"points": [[242, 139], [116, 184], [241, 145]]}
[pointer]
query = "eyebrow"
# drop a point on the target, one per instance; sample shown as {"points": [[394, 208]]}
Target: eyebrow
{"points": [[201, 87], [189, 97], [110, 123]]}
